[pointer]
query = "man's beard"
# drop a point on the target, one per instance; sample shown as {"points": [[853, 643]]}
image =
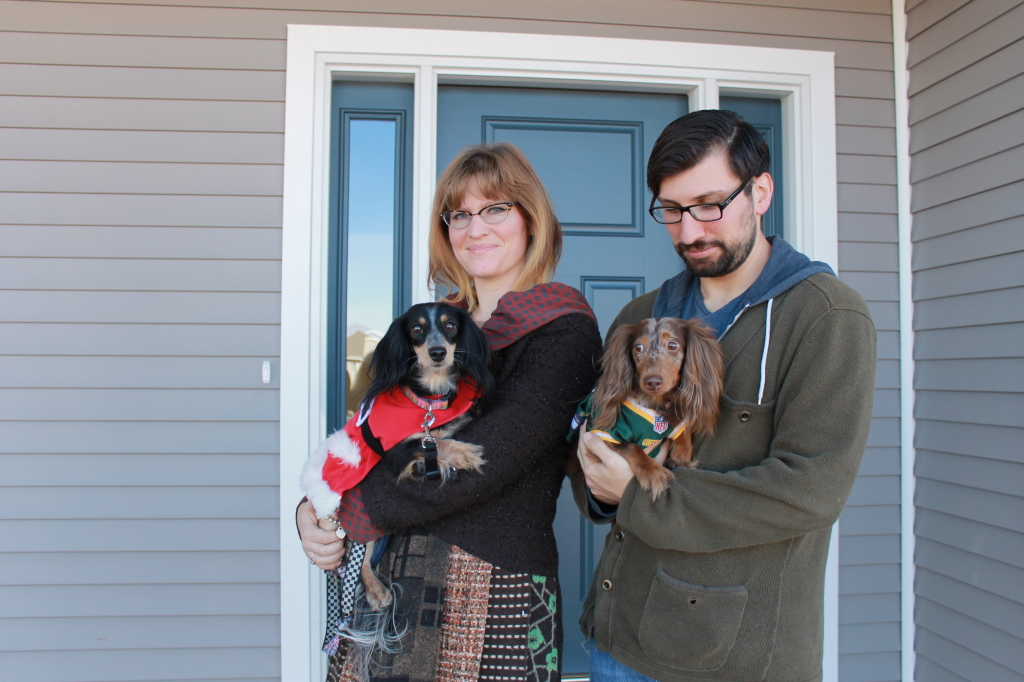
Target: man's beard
{"points": [[732, 256]]}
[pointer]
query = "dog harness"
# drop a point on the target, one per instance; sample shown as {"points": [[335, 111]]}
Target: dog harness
{"points": [[636, 424]]}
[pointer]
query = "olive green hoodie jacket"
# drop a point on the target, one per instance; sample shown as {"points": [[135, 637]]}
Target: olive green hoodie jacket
{"points": [[723, 577]]}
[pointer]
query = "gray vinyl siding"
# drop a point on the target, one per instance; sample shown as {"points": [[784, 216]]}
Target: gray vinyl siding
{"points": [[966, 64], [141, 149]]}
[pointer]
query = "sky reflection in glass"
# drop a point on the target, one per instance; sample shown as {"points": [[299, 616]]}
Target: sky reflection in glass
{"points": [[371, 225]]}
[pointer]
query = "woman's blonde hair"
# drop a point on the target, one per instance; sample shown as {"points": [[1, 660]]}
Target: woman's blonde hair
{"points": [[501, 172]]}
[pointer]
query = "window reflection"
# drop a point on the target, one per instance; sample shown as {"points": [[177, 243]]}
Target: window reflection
{"points": [[370, 215]]}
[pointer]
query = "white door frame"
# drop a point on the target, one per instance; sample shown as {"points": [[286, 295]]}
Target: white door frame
{"points": [[318, 55]]}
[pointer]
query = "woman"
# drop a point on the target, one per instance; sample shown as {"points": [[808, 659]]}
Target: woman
{"points": [[485, 541]]}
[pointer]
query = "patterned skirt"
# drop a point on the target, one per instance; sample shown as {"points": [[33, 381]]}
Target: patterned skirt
{"points": [[464, 619]]}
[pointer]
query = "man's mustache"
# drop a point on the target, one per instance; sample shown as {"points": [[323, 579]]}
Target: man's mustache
{"points": [[699, 245]]}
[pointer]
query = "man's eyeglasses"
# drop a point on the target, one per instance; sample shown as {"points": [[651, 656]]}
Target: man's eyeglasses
{"points": [[705, 213], [492, 215]]}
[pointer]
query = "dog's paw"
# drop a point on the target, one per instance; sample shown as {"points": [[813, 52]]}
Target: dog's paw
{"points": [[377, 596], [654, 480], [451, 455], [460, 455]]}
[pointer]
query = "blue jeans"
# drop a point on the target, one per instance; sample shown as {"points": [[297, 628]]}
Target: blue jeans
{"points": [[604, 668]]}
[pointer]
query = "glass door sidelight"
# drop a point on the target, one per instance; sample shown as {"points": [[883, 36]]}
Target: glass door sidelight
{"points": [[370, 238]]}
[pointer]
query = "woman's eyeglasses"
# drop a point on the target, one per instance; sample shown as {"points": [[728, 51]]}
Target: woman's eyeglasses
{"points": [[492, 215]]}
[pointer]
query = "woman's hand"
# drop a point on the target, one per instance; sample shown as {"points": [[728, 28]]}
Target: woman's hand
{"points": [[323, 547]]}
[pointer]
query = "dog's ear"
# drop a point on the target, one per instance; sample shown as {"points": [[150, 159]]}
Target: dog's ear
{"points": [[473, 353], [391, 360], [701, 384], [616, 381]]}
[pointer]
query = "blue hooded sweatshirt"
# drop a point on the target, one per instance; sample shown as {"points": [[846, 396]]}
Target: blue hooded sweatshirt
{"points": [[785, 267]]}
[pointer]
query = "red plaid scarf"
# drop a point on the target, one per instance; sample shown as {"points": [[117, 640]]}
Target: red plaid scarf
{"points": [[520, 312]]}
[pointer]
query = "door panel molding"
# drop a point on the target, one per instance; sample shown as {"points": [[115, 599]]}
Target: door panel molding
{"points": [[605, 293], [632, 158], [802, 79]]}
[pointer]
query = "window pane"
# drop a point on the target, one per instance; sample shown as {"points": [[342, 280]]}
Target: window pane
{"points": [[370, 216]]}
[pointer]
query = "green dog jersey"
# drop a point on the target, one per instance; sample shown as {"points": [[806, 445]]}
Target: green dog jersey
{"points": [[636, 424]]}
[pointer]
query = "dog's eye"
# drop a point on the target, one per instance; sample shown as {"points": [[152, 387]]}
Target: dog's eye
{"points": [[638, 348], [672, 345], [417, 329], [449, 327]]}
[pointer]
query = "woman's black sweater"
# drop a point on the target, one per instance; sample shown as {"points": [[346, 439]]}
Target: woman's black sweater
{"points": [[504, 514]]}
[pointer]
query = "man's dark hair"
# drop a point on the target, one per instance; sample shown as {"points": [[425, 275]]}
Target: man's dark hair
{"points": [[690, 139]]}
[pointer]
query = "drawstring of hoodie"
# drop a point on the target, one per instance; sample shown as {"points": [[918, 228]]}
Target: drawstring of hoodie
{"points": [[764, 353]]}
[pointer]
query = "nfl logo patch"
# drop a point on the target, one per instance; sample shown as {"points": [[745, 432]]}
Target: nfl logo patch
{"points": [[660, 425]]}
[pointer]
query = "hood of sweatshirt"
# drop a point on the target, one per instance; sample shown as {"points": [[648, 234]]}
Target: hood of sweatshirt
{"points": [[785, 268]]}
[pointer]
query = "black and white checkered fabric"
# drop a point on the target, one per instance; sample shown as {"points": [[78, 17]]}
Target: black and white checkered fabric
{"points": [[350, 580], [333, 606], [341, 592]]}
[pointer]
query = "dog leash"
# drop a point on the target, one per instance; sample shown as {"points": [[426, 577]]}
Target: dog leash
{"points": [[341, 598], [428, 468]]}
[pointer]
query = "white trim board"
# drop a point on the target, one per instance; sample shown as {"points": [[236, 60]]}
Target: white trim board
{"points": [[908, 454], [317, 55]]}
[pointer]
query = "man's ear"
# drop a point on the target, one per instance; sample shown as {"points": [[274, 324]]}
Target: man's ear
{"points": [[762, 187]]}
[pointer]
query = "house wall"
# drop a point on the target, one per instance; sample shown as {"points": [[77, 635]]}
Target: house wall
{"points": [[140, 170], [966, 62]]}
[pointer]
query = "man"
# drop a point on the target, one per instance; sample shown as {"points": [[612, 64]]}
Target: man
{"points": [[722, 578]]}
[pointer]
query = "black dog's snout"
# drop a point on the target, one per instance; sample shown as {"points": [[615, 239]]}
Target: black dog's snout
{"points": [[437, 353]]}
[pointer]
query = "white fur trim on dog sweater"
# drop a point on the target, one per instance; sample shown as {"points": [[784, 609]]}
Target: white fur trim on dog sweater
{"points": [[338, 445]]}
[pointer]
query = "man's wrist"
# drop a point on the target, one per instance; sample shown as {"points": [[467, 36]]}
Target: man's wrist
{"points": [[601, 509]]}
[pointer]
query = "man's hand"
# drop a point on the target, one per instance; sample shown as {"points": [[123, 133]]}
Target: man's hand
{"points": [[323, 547], [606, 471]]}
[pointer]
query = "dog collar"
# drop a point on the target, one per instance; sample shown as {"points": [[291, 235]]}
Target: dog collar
{"points": [[426, 403]]}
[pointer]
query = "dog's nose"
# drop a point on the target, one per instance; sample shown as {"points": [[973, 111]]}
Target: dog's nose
{"points": [[652, 383], [437, 353]]}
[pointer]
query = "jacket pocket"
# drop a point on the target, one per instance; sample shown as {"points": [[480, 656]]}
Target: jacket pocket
{"points": [[691, 626], [743, 436]]}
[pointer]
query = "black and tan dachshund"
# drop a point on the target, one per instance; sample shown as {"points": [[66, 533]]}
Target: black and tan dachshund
{"points": [[431, 366], [433, 351]]}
